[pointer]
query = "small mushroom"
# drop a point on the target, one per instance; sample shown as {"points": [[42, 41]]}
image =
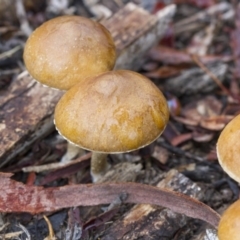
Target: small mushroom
{"points": [[229, 226], [117, 111], [66, 50], [228, 149]]}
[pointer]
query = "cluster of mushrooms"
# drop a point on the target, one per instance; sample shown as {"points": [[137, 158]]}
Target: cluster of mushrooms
{"points": [[228, 151], [110, 111], [103, 110]]}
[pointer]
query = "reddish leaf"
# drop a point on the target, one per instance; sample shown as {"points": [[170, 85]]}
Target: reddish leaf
{"points": [[31, 178], [17, 197], [212, 156], [170, 132], [198, 3], [176, 57], [164, 72], [181, 139]]}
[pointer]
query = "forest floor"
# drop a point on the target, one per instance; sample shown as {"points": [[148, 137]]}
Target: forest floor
{"points": [[197, 67]]}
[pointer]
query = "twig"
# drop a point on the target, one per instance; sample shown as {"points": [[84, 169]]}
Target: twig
{"points": [[179, 151], [21, 14], [10, 52], [52, 166], [213, 77], [50, 229]]}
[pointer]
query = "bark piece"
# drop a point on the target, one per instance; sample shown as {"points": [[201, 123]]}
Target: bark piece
{"points": [[194, 80], [26, 108]]}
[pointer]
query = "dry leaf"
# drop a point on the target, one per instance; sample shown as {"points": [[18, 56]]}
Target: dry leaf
{"points": [[216, 123], [173, 56], [17, 197]]}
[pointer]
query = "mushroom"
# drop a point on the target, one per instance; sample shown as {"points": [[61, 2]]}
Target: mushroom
{"points": [[229, 225], [114, 112], [66, 50], [228, 149]]}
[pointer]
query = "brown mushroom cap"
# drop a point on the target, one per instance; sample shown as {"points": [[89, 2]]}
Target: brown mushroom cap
{"points": [[228, 149], [229, 226], [65, 50], [117, 111]]}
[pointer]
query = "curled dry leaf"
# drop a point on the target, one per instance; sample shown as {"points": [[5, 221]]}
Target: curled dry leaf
{"points": [[202, 136], [17, 197], [205, 113], [216, 123]]}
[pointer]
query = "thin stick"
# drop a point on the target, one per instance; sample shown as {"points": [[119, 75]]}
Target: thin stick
{"points": [[213, 77]]}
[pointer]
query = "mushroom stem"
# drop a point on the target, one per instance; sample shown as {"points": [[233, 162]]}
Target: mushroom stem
{"points": [[72, 152], [99, 165]]}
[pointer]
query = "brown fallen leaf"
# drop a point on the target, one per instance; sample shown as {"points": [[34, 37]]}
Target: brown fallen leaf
{"points": [[206, 114], [17, 197], [186, 121], [181, 139], [173, 56], [215, 123], [164, 72], [207, 106]]}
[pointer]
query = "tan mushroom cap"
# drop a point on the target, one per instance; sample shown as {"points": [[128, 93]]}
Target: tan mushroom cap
{"points": [[117, 111], [228, 149], [229, 226], [65, 50]]}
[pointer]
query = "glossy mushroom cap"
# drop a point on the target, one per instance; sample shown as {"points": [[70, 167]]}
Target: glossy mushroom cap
{"points": [[228, 149], [65, 50], [117, 111], [229, 226]]}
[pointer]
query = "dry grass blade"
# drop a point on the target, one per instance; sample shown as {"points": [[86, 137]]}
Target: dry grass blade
{"points": [[50, 229]]}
